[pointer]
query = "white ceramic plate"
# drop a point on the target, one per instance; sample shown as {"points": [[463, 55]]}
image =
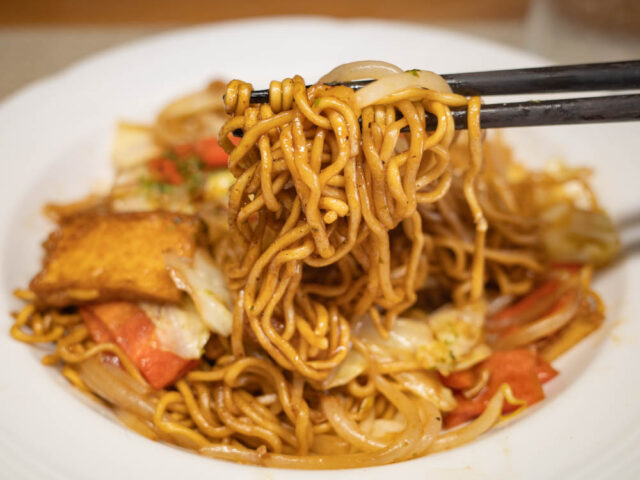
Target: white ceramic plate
{"points": [[54, 144]]}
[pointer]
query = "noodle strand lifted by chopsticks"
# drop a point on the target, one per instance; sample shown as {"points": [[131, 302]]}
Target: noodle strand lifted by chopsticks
{"points": [[335, 205]]}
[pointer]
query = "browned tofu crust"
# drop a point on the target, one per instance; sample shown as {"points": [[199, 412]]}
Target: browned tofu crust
{"points": [[114, 256]]}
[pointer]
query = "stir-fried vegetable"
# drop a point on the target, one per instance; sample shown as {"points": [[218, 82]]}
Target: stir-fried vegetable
{"points": [[574, 227], [186, 167], [523, 370], [448, 339], [204, 283], [457, 334], [179, 328], [128, 326], [533, 305], [576, 235], [165, 170], [560, 315], [174, 178], [218, 184], [133, 145], [211, 152]]}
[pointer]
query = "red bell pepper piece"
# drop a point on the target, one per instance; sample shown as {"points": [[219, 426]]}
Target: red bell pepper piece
{"points": [[460, 380], [211, 152], [522, 369], [166, 170], [128, 326]]}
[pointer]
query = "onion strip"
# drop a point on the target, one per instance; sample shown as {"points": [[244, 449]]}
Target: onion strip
{"points": [[111, 388], [388, 85], [365, 69], [561, 314]]}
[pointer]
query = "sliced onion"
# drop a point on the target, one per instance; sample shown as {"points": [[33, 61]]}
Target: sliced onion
{"points": [[361, 70], [431, 419], [205, 284], [99, 377], [346, 428], [326, 444], [384, 429], [478, 386], [192, 104], [498, 303], [470, 431], [121, 375], [197, 115], [373, 92], [550, 323], [426, 385], [523, 316], [573, 235], [135, 423]]}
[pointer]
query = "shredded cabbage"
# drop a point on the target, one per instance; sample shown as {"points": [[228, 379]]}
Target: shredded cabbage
{"points": [[205, 284], [179, 328], [133, 146], [574, 235], [449, 339]]}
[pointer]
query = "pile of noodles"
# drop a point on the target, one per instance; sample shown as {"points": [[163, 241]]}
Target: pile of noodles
{"points": [[344, 208]]}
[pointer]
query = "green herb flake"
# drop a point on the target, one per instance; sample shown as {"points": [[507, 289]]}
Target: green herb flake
{"points": [[171, 155], [154, 187], [413, 71], [195, 183]]}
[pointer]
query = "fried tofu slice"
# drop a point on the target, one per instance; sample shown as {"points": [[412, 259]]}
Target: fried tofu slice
{"points": [[115, 256]]}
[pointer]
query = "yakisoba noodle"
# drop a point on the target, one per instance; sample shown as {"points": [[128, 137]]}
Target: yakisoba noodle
{"points": [[352, 187], [343, 209]]}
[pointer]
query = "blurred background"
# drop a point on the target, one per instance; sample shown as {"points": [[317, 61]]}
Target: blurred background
{"points": [[40, 37]]}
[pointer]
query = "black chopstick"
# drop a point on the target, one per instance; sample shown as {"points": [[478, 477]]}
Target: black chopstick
{"points": [[562, 78], [568, 111]]}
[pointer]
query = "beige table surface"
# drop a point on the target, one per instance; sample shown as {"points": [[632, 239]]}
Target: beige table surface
{"points": [[30, 53]]}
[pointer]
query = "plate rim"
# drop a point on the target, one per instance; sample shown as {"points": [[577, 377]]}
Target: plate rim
{"points": [[87, 62]]}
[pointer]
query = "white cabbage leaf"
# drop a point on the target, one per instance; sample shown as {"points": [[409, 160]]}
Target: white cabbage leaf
{"points": [[447, 340], [179, 328], [133, 145], [574, 235], [205, 284]]}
